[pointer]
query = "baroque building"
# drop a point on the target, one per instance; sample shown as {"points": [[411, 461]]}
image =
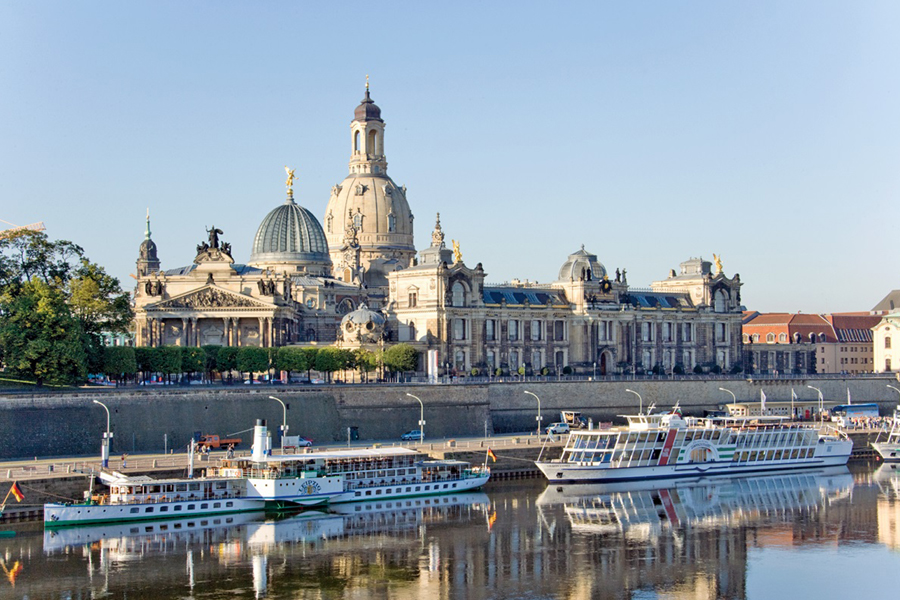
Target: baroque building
{"points": [[359, 280]]}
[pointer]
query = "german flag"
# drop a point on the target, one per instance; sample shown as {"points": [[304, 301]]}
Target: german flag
{"points": [[16, 492], [492, 455]]}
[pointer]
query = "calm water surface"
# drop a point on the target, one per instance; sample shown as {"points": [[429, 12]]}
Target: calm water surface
{"points": [[833, 534]]}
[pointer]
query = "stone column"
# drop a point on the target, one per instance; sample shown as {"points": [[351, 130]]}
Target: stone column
{"points": [[185, 339], [195, 331], [262, 331], [236, 326], [271, 328], [226, 332]]}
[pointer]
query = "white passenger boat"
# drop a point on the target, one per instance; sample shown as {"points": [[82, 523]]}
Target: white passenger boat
{"points": [[889, 450], [665, 445], [265, 482]]}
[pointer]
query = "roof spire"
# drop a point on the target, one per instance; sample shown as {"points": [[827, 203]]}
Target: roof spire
{"points": [[147, 231]]}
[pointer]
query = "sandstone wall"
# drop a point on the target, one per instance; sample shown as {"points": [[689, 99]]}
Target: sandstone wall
{"points": [[71, 424]]}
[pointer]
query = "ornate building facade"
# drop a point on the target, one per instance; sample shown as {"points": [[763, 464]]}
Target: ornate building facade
{"points": [[302, 279]]}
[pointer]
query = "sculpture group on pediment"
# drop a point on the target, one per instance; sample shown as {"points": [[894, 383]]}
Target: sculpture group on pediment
{"points": [[211, 298]]}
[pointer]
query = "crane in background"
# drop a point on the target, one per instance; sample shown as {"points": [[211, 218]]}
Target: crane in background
{"points": [[39, 226]]}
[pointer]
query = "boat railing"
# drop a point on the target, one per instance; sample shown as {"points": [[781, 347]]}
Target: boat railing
{"points": [[161, 498]]}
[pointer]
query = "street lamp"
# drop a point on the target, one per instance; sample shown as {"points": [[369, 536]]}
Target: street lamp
{"points": [[284, 426], [421, 419], [639, 398], [821, 401], [539, 417], [730, 392], [595, 370], [104, 444]]}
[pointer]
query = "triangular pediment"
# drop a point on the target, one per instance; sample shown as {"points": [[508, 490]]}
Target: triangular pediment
{"points": [[210, 296]]}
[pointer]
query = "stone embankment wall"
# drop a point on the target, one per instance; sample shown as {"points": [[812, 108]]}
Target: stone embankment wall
{"points": [[145, 420]]}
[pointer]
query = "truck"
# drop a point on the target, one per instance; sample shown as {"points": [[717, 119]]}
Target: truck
{"points": [[573, 419], [214, 442]]}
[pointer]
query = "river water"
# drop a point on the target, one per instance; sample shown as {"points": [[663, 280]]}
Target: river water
{"points": [[828, 534]]}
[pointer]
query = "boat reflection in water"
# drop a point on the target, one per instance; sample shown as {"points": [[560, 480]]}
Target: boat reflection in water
{"points": [[261, 533], [647, 509]]}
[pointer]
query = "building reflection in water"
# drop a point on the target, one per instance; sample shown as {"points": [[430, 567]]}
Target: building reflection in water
{"points": [[519, 540]]}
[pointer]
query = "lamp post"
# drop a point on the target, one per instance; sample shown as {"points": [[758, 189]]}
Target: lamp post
{"points": [[821, 401], [640, 399], [421, 418], [595, 370], [284, 426], [730, 392], [539, 417], [104, 444]]}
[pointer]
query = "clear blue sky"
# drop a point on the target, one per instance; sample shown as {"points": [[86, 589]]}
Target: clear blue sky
{"points": [[766, 132]]}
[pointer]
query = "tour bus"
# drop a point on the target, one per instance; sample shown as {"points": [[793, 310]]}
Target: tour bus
{"points": [[843, 414]]}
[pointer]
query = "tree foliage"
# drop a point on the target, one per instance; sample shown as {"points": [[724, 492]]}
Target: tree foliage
{"points": [[193, 360], [226, 359], [119, 361], [252, 360], [39, 336], [291, 358], [401, 358], [329, 360]]}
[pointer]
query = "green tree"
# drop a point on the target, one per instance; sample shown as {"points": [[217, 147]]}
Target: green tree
{"points": [[401, 358], [290, 359], [193, 360], [210, 360], [252, 360], [143, 355], [226, 359], [166, 360], [310, 354], [329, 360], [366, 361], [26, 255], [119, 362], [39, 336]]}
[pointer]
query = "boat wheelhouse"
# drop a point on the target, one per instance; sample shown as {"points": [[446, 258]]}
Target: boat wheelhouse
{"points": [[666, 445]]}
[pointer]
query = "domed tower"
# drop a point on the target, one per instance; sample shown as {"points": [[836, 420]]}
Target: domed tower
{"points": [[582, 266], [147, 261], [368, 223], [290, 239]]}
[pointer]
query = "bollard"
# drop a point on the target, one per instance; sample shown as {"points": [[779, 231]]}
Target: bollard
{"points": [[9, 473], [68, 468], [154, 463]]}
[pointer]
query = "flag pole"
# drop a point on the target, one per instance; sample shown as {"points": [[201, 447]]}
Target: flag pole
{"points": [[3, 506]]}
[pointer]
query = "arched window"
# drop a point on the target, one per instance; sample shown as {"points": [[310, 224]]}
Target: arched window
{"points": [[755, 338], [746, 338], [412, 332], [358, 221], [812, 338], [460, 360], [328, 222], [770, 338], [887, 364], [458, 292], [392, 223], [720, 301], [513, 360], [370, 144], [887, 343], [782, 337], [356, 142], [345, 306], [821, 337], [459, 329]]}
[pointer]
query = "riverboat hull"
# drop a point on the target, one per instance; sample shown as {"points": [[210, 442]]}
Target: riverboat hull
{"points": [[90, 513], [888, 451], [570, 473]]}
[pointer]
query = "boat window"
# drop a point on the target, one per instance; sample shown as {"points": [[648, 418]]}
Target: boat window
{"points": [[753, 455], [135, 509], [181, 487], [203, 523], [178, 508], [204, 505], [163, 509], [770, 455], [217, 505], [778, 455], [191, 506], [655, 455], [149, 509], [229, 504], [193, 487], [418, 488]]}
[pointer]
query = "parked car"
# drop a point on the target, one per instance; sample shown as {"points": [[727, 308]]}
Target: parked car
{"points": [[557, 428], [295, 441], [411, 436]]}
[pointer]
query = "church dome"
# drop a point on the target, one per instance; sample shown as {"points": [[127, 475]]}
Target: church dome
{"points": [[582, 265], [362, 325], [290, 235]]}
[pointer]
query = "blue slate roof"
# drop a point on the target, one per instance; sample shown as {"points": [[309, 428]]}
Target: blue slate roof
{"points": [[518, 296]]}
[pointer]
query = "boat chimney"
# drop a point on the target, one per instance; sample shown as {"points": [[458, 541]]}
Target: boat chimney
{"points": [[260, 441]]}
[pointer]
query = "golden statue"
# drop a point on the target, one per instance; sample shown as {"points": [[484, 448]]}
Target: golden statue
{"points": [[457, 255], [718, 260], [290, 181]]}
